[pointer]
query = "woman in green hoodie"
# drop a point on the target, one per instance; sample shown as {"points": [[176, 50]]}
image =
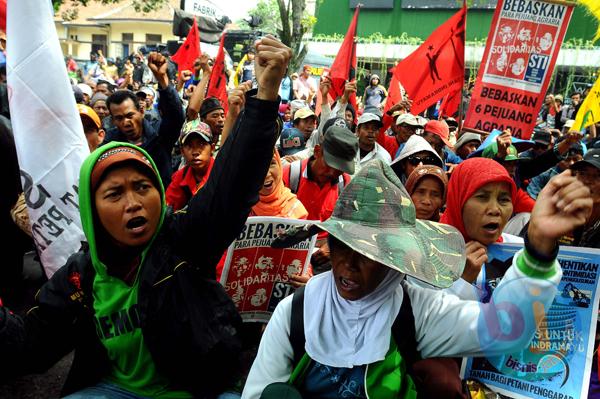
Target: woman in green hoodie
{"points": [[137, 303]]}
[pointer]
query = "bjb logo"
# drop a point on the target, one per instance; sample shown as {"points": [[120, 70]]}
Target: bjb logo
{"points": [[509, 320]]}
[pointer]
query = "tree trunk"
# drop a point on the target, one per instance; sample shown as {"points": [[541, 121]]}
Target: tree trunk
{"points": [[299, 50], [285, 33]]}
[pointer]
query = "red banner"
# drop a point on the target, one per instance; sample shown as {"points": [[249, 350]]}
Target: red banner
{"points": [[520, 54], [256, 276]]}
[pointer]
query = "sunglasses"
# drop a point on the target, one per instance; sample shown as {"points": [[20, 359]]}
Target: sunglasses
{"points": [[427, 160]]}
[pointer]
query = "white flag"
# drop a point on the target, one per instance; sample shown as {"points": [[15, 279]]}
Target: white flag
{"points": [[51, 145]]}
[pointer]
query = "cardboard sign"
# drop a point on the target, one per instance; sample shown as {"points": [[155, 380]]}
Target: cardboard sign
{"points": [[520, 54], [256, 276]]}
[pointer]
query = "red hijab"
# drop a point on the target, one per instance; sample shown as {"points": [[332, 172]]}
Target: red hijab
{"points": [[468, 177]]}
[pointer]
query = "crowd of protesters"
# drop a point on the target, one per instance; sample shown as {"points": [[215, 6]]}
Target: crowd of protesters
{"points": [[404, 214]]}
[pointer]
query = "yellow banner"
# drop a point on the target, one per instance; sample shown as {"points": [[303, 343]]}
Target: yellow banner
{"points": [[589, 112]]}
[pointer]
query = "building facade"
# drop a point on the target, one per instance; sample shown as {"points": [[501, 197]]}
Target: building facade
{"points": [[118, 30]]}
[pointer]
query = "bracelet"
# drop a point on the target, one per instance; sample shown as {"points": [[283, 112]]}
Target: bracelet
{"points": [[534, 253]]}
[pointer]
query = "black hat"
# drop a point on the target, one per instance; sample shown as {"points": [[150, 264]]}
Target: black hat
{"points": [[542, 137], [209, 105], [341, 122], [78, 95], [339, 146], [592, 157]]}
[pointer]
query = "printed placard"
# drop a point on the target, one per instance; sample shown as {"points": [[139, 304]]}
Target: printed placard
{"points": [[520, 54], [558, 361], [256, 276]]}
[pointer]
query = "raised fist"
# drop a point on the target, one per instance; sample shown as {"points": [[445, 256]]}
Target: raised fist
{"points": [[270, 64]]}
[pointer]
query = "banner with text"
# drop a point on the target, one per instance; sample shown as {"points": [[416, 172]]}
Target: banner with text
{"points": [[519, 57], [256, 276], [558, 361]]}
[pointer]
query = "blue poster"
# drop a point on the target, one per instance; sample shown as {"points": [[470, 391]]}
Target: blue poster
{"points": [[558, 361]]}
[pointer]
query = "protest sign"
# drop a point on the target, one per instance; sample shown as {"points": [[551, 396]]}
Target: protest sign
{"points": [[257, 276], [520, 54], [558, 360]]}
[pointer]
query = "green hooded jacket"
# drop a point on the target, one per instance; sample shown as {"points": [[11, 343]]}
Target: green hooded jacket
{"points": [[115, 302]]}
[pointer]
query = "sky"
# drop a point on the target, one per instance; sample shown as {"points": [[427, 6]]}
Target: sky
{"points": [[235, 9]]}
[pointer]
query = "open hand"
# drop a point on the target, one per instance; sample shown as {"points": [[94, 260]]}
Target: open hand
{"points": [[562, 206]]}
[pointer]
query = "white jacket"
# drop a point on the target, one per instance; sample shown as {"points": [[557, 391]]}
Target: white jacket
{"points": [[445, 325]]}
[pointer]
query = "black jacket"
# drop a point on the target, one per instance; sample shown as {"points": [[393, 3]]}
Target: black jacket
{"points": [[159, 136], [63, 319]]}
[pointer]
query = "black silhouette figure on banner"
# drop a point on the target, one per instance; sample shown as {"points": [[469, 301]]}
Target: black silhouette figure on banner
{"points": [[433, 71]]}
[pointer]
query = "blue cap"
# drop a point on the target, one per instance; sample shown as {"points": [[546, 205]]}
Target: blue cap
{"points": [[291, 141], [520, 144]]}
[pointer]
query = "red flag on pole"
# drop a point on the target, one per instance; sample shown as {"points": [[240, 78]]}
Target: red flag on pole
{"points": [[344, 65], [217, 86], [189, 50], [436, 68], [451, 103]]}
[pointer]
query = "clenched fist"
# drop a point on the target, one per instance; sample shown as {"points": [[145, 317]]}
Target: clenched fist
{"points": [[270, 64]]}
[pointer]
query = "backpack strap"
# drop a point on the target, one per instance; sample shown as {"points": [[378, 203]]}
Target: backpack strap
{"points": [[295, 175], [404, 332], [297, 337]]}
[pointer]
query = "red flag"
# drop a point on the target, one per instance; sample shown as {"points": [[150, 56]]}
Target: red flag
{"points": [[189, 50], [3, 15], [437, 67], [451, 103], [343, 68], [217, 86]]}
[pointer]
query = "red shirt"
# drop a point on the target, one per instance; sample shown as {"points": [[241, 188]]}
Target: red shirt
{"points": [[388, 142], [318, 201], [523, 202], [184, 185]]}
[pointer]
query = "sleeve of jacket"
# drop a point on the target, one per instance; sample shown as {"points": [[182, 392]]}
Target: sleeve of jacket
{"points": [[449, 327], [528, 168], [538, 183], [172, 117], [35, 342], [274, 361], [217, 213]]}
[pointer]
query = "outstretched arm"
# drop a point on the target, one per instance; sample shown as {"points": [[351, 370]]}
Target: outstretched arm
{"points": [[447, 326], [217, 213]]}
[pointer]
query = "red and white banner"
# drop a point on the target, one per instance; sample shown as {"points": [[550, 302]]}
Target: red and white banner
{"points": [[520, 54], [256, 276]]}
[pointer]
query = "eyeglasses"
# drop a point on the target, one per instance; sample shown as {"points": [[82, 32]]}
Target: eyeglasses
{"points": [[415, 160]]}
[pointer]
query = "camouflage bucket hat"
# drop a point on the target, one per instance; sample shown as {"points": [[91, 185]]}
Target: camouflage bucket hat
{"points": [[375, 216]]}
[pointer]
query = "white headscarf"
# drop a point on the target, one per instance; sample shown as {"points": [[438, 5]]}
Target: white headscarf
{"points": [[343, 333]]}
